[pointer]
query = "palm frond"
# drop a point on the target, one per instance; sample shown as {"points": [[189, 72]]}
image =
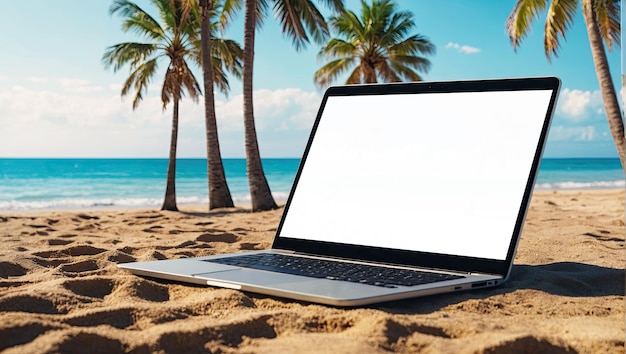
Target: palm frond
{"points": [[348, 25], [139, 80], [356, 76], [519, 21], [220, 79], [411, 61], [608, 17], [314, 21], [560, 17], [229, 10], [334, 5], [190, 83], [397, 28], [169, 13], [337, 48], [408, 69], [414, 45], [230, 54], [301, 19], [329, 72], [130, 53], [386, 73], [227, 56], [136, 19]]}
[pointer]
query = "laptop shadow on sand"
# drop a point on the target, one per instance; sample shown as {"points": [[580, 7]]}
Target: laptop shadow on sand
{"points": [[568, 279]]}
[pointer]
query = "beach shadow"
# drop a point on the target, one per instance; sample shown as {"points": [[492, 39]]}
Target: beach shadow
{"points": [[218, 212], [222, 211], [568, 279]]}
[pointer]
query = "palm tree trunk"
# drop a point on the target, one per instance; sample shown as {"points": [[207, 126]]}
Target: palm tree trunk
{"points": [[260, 193], [219, 194], [613, 113], [169, 203]]}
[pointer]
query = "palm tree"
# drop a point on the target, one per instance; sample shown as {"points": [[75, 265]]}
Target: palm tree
{"points": [[602, 19], [219, 194], [299, 19], [171, 41], [376, 46], [177, 41]]}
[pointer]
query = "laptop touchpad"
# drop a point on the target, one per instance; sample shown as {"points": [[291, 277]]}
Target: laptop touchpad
{"points": [[252, 277]]}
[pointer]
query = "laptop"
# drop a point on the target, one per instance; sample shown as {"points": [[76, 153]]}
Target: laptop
{"points": [[404, 190]]}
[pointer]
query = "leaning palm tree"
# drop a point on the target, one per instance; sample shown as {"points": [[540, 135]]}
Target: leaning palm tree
{"points": [[299, 19], [602, 19], [378, 46]]}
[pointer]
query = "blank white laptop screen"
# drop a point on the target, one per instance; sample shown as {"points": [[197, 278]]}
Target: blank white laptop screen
{"points": [[432, 172]]}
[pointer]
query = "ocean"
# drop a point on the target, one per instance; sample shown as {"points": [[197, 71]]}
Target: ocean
{"points": [[29, 184]]}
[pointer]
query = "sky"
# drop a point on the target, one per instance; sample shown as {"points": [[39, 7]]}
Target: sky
{"points": [[58, 100]]}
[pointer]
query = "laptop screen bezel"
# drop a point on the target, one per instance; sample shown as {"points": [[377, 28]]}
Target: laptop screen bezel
{"points": [[416, 258]]}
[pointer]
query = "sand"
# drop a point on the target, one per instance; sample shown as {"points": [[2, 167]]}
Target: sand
{"points": [[60, 290]]}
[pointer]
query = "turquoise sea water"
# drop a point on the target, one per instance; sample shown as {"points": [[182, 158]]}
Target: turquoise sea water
{"points": [[27, 184]]}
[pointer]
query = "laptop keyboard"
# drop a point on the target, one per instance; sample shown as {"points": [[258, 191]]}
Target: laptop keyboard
{"points": [[334, 270]]}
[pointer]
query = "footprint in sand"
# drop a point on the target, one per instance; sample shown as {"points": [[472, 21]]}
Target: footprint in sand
{"points": [[118, 318], [86, 217], [248, 246], [151, 216], [241, 230], [79, 267], [529, 344], [36, 226], [22, 334], [98, 287], [82, 250], [224, 237], [8, 269], [85, 342], [231, 335], [59, 242], [28, 303], [128, 250], [121, 257], [143, 289], [87, 227], [154, 228], [204, 223]]}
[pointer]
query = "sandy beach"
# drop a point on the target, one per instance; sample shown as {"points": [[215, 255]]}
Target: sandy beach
{"points": [[60, 289]]}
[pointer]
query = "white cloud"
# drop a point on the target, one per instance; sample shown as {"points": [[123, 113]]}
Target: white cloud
{"points": [[564, 133], [280, 109], [465, 49], [577, 105], [115, 87], [75, 122], [78, 85], [37, 79]]}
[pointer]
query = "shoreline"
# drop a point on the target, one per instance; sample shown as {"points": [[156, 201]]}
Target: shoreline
{"points": [[194, 207]]}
